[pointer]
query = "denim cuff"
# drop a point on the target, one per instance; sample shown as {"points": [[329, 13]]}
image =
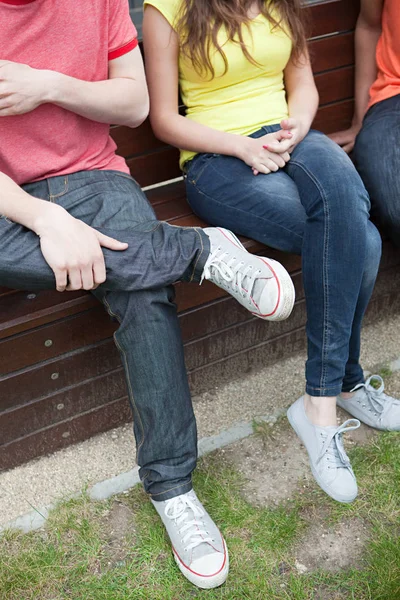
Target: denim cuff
{"points": [[194, 273], [174, 491], [323, 392]]}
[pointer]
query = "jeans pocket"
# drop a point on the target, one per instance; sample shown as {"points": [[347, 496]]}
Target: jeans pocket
{"points": [[198, 166]]}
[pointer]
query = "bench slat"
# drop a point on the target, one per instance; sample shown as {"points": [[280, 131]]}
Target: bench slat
{"points": [[334, 117], [333, 16], [77, 399], [50, 377], [332, 52], [335, 86], [80, 330], [64, 434]]}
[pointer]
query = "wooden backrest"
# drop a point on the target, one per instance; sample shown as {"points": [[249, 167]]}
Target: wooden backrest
{"points": [[332, 50]]}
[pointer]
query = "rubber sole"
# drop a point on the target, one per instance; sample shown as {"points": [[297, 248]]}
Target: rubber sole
{"points": [[325, 488], [287, 298], [205, 583]]}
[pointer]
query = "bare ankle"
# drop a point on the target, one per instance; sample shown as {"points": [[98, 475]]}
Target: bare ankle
{"points": [[321, 410]]}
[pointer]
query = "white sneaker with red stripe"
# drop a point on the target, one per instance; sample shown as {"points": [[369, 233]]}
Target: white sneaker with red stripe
{"points": [[260, 284], [198, 546]]}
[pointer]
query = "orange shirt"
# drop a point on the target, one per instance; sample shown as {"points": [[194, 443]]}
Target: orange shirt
{"points": [[387, 83]]}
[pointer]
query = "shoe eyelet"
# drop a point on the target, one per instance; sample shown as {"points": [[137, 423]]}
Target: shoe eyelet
{"points": [[251, 267]]}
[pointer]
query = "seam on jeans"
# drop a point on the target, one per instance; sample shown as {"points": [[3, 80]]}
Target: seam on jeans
{"points": [[324, 393], [111, 312], [325, 330], [171, 489], [206, 156], [52, 197], [324, 389], [201, 254], [240, 210]]}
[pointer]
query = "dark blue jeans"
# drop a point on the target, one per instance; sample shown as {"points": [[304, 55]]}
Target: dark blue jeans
{"points": [[139, 294], [317, 206], [376, 155]]}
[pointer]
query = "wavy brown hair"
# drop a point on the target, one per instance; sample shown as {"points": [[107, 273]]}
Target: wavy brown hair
{"points": [[199, 22]]}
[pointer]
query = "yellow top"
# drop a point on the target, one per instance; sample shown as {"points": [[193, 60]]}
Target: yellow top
{"points": [[248, 96]]}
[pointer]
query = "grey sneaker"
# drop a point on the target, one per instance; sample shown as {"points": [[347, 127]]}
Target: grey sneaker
{"points": [[372, 406], [260, 284], [198, 546], [329, 462]]}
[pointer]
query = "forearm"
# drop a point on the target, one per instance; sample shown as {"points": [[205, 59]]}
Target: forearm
{"points": [[303, 105], [120, 101], [20, 207], [185, 133], [366, 40]]}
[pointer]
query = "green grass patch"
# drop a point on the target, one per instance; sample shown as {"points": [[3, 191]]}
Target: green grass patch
{"points": [[72, 557]]}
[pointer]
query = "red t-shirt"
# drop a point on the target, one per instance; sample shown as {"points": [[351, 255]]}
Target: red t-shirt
{"points": [[76, 38]]}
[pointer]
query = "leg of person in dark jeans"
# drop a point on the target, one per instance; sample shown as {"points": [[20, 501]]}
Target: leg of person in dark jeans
{"points": [[376, 156], [139, 294]]}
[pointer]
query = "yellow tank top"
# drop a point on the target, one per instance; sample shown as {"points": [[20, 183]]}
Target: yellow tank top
{"points": [[246, 97]]}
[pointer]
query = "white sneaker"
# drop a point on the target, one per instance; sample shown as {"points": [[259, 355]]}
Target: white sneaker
{"points": [[372, 406], [260, 284], [329, 462], [199, 549]]}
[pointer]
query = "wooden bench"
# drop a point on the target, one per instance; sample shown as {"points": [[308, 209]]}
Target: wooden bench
{"points": [[61, 377]]}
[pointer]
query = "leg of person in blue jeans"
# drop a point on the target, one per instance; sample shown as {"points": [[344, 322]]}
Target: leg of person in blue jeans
{"points": [[376, 156], [318, 207]]}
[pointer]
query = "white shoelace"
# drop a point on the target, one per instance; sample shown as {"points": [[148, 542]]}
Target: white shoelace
{"points": [[229, 269], [177, 509], [376, 398], [333, 445]]}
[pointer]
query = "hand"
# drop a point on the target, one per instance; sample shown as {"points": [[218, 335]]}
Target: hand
{"points": [[72, 249], [254, 153], [298, 131], [346, 139], [22, 89]]}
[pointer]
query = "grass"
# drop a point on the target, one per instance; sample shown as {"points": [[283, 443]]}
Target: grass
{"points": [[72, 558]]}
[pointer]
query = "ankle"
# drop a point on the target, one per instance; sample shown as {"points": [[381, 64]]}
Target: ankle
{"points": [[321, 410], [347, 395]]}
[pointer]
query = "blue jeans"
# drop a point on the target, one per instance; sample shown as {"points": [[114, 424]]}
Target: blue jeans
{"points": [[376, 155], [318, 207], [139, 294]]}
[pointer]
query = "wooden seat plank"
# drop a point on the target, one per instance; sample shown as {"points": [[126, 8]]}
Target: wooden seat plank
{"points": [[48, 341], [332, 52], [335, 86], [332, 16]]}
